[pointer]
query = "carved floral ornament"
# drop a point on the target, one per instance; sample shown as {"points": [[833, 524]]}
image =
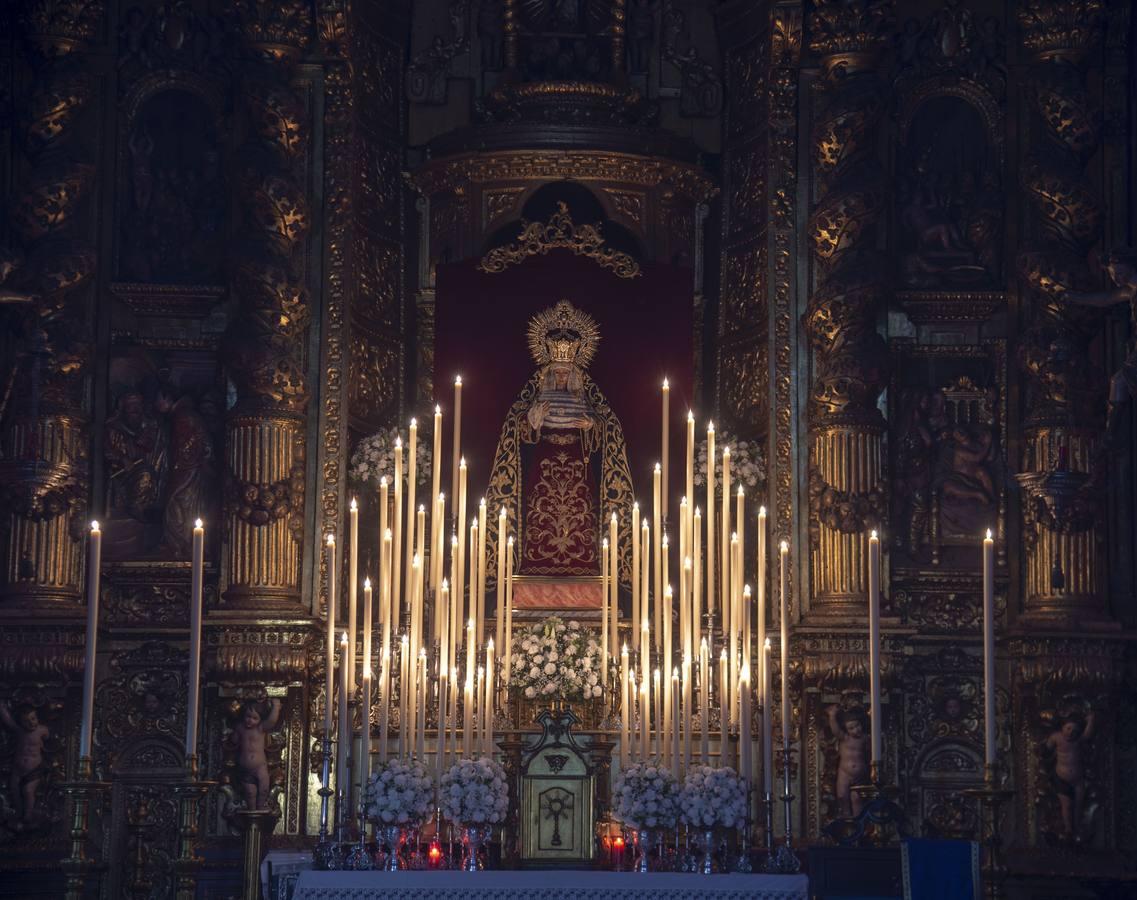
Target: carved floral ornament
{"points": [[560, 233]]}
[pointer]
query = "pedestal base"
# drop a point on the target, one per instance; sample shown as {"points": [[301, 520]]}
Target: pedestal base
{"points": [[255, 823]]}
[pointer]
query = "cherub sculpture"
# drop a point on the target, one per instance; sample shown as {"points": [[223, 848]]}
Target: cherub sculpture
{"points": [[250, 739], [850, 727], [1065, 748], [28, 760]]}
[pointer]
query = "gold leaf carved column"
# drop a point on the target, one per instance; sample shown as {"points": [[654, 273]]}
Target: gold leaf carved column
{"points": [[44, 477], [266, 428], [846, 466], [1062, 472]]}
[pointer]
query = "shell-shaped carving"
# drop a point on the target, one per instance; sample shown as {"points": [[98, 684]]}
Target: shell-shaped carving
{"points": [[846, 131], [53, 107], [1066, 205], [276, 116], [279, 209], [1069, 117], [837, 224]]}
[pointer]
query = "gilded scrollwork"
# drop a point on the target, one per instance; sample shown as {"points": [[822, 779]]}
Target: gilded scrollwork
{"points": [[560, 233], [373, 376]]}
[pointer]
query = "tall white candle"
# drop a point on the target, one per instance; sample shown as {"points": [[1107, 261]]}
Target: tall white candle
{"points": [[784, 554], [726, 716], [488, 729], [676, 718], [94, 570], [508, 604], [460, 580], [767, 723], [397, 607], [657, 701], [668, 642], [368, 611], [724, 549], [436, 464], [352, 588], [603, 612], [666, 445], [625, 729], [874, 646], [406, 721], [481, 619], [745, 749], [989, 649], [688, 713], [385, 603], [613, 586], [343, 750], [365, 727], [443, 704], [705, 702], [645, 580], [409, 499], [194, 681], [711, 517], [499, 608], [423, 690], [657, 536], [468, 709], [689, 472], [696, 582], [330, 637], [457, 448], [761, 611], [634, 535], [645, 719]]}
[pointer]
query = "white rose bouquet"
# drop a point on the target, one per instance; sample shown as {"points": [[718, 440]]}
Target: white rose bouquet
{"points": [[374, 457], [399, 792], [747, 462], [474, 792], [556, 660], [646, 795], [713, 798]]}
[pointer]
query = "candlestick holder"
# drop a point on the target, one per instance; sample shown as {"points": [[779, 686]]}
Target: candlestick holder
{"points": [[768, 809], [991, 796], [190, 793], [82, 791], [325, 855], [879, 814], [255, 823], [742, 863], [784, 861], [360, 858]]}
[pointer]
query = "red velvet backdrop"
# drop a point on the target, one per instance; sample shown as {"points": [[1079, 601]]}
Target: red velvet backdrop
{"points": [[645, 334]]}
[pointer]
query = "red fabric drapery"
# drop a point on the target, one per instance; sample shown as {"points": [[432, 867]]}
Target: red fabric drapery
{"points": [[646, 334]]}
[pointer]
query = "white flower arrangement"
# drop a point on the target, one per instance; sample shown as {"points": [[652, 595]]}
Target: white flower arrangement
{"points": [[556, 660], [713, 797], [475, 792], [374, 457], [646, 795], [399, 792], [747, 462]]}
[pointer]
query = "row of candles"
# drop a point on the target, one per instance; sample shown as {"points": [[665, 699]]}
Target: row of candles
{"points": [[667, 702]]}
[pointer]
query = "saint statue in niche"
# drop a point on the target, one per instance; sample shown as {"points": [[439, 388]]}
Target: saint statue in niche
{"points": [[561, 466]]}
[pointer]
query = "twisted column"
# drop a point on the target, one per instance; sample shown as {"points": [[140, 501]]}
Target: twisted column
{"points": [[44, 477], [265, 431], [846, 466], [1060, 469]]}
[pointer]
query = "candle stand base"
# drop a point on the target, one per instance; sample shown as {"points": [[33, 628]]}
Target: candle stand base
{"points": [[79, 867], [990, 798], [256, 824], [189, 793], [880, 821], [784, 861]]}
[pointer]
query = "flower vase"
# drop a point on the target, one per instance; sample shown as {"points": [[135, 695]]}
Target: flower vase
{"points": [[705, 840], [393, 836], [473, 836], [644, 839]]}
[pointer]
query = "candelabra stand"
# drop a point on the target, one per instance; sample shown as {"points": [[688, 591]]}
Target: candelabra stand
{"points": [[78, 866], [991, 797], [880, 810], [768, 808], [326, 853], [784, 861], [743, 864], [359, 857], [189, 792], [255, 823]]}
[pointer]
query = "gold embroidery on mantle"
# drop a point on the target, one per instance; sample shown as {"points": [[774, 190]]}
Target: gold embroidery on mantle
{"points": [[560, 233], [561, 522]]}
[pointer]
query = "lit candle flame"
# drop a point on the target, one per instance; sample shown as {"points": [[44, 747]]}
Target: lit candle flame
{"points": [[331, 540], [197, 523], [988, 534], [94, 527]]}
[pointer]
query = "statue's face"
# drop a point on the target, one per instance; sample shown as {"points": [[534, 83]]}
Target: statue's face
{"points": [[854, 728], [952, 708], [1071, 730], [30, 720], [1120, 273], [133, 412], [252, 718]]}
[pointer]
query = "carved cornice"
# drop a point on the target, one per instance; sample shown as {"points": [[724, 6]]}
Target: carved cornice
{"points": [[850, 34], [1069, 662], [449, 175], [261, 653], [924, 307], [40, 652], [189, 300]]}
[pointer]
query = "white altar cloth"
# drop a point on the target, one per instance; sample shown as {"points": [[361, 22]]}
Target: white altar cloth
{"points": [[557, 884]]}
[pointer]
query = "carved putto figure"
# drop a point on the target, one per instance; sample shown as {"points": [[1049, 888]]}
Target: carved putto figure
{"points": [[250, 738], [29, 736], [850, 727], [1064, 750]]}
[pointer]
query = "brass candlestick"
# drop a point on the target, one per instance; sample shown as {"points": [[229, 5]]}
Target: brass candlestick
{"points": [[255, 823], [78, 866], [784, 861], [189, 792], [990, 797]]}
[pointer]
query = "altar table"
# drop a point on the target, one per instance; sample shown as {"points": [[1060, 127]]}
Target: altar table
{"points": [[558, 884]]}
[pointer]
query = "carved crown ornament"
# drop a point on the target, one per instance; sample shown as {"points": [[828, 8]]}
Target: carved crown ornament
{"points": [[849, 34], [1061, 29], [560, 233]]}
